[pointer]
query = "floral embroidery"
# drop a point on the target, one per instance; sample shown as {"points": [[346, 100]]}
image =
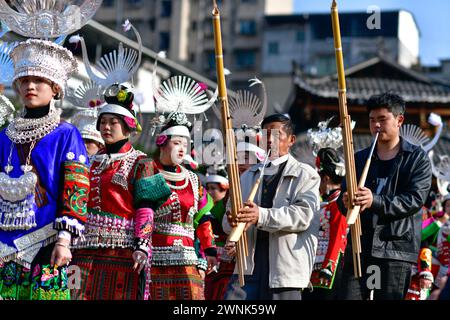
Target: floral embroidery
{"points": [[147, 228], [70, 156]]}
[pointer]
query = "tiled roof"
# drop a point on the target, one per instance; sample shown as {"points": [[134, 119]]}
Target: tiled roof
{"points": [[363, 88], [303, 152]]}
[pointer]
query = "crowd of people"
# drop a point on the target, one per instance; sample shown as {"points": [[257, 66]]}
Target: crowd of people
{"points": [[140, 227]]}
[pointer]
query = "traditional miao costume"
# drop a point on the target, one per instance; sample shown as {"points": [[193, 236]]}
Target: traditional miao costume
{"points": [[120, 219], [216, 281], [185, 215], [332, 241], [332, 238], [44, 183]]}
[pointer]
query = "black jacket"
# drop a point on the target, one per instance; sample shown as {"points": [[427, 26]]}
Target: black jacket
{"points": [[397, 233]]}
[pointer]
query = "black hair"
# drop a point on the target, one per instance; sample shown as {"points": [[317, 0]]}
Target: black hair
{"points": [[288, 126], [327, 159], [389, 100]]}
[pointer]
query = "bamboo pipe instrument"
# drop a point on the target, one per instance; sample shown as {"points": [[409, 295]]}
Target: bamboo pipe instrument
{"points": [[351, 218], [230, 143], [349, 157], [239, 230]]}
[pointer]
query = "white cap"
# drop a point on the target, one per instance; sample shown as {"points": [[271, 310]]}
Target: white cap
{"points": [[245, 146]]}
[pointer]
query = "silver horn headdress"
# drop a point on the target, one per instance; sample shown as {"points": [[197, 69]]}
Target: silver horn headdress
{"points": [[116, 67], [415, 135], [47, 18]]}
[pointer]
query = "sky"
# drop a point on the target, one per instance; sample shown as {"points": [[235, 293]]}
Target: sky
{"points": [[432, 17]]}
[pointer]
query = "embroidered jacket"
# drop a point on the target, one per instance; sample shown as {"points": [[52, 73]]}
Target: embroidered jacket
{"points": [[59, 160], [178, 220], [332, 240], [119, 186], [217, 214]]}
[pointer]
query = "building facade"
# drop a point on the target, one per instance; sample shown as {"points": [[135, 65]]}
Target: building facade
{"points": [[183, 28]]}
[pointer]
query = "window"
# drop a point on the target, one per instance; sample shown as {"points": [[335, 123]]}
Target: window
{"points": [[211, 60], [135, 3], [108, 3], [300, 37], [245, 59], [151, 24], [247, 27], [274, 48], [166, 8], [194, 26], [164, 41]]}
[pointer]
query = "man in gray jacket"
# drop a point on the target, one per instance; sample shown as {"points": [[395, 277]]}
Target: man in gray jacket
{"points": [[282, 223]]}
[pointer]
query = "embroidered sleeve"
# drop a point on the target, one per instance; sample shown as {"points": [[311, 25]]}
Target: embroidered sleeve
{"points": [[202, 263], [148, 186], [338, 226], [75, 190], [143, 229], [205, 205], [74, 198]]}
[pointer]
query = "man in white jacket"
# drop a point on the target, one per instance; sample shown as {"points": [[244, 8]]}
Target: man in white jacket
{"points": [[282, 223]]}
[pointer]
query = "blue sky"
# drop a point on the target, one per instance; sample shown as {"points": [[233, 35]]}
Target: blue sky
{"points": [[432, 16]]}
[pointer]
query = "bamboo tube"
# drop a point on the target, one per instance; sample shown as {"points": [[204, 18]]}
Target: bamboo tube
{"points": [[349, 157], [230, 143]]}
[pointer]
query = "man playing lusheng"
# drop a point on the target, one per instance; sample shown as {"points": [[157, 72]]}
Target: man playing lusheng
{"points": [[282, 223], [396, 188]]}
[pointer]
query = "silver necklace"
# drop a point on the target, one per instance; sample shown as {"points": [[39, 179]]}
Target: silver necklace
{"points": [[17, 200], [176, 177], [22, 130]]}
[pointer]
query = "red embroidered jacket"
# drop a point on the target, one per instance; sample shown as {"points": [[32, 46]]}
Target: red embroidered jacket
{"points": [[332, 240], [179, 220]]}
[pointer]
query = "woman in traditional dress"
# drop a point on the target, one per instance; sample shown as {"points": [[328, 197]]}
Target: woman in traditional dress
{"points": [[183, 216], [44, 181], [115, 254], [216, 281], [327, 271]]}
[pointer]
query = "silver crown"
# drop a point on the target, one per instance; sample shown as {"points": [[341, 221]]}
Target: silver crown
{"points": [[325, 137], [47, 18], [86, 121], [43, 59]]}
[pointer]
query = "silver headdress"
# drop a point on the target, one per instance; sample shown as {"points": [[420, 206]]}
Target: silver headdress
{"points": [[47, 18], [441, 170], [87, 95], [86, 121], [6, 64], [414, 134], [182, 94], [325, 137], [115, 67], [43, 59], [246, 109], [6, 110]]}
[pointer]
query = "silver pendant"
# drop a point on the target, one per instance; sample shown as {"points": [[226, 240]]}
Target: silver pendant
{"points": [[26, 168], [9, 168]]}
